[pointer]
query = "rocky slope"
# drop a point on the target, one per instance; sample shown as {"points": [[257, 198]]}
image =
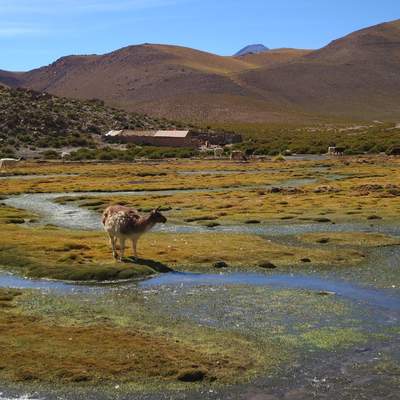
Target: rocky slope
{"points": [[29, 118]]}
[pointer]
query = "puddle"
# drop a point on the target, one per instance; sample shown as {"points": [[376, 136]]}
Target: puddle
{"points": [[297, 229], [63, 215]]}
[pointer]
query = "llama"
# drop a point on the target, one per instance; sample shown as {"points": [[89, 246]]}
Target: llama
{"points": [[335, 151], [238, 155], [124, 223], [65, 155], [218, 152], [9, 162]]}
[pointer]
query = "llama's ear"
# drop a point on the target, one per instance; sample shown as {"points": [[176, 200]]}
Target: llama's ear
{"points": [[158, 208]]}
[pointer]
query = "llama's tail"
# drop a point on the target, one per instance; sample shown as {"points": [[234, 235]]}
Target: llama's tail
{"points": [[105, 216]]}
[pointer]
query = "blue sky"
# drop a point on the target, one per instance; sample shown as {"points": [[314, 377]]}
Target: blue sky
{"points": [[36, 32]]}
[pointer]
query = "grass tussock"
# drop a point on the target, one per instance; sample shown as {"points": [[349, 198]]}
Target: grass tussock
{"points": [[350, 239], [100, 177]]}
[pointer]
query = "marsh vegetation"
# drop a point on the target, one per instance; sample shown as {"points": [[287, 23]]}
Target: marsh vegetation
{"points": [[334, 221]]}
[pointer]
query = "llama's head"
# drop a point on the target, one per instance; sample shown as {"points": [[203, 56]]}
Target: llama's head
{"points": [[157, 217]]}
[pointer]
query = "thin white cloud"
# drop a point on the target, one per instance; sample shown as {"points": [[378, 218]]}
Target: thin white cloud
{"points": [[39, 17], [78, 6], [14, 31]]}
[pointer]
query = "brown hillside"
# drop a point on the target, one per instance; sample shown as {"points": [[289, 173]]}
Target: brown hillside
{"points": [[273, 57], [356, 77], [10, 78], [161, 80]]}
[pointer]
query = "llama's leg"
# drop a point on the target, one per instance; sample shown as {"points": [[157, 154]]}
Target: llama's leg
{"points": [[122, 248], [134, 247], [112, 242]]}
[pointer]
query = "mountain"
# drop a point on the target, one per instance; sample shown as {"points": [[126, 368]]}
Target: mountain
{"points": [[252, 49], [357, 76], [354, 78], [178, 82], [165, 81]]}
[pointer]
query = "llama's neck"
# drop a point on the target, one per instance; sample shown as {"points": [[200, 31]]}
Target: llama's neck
{"points": [[147, 223]]}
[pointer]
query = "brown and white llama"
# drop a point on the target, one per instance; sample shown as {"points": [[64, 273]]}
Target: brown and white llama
{"points": [[124, 223]]}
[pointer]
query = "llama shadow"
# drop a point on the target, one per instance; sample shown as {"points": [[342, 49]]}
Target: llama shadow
{"points": [[156, 265]]}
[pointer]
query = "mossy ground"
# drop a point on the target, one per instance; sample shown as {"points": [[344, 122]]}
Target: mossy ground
{"points": [[49, 349], [155, 339], [333, 338]]}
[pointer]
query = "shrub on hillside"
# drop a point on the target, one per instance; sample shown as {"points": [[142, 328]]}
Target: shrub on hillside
{"points": [[50, 155], [132, 153]]}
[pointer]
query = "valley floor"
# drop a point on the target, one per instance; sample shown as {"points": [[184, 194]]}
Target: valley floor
{"points": [[269, 280]]}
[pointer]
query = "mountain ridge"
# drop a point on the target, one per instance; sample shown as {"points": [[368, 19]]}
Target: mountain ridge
{"points": [[355, 77]]}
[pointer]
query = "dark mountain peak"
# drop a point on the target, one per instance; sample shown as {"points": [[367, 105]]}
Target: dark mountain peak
{"points": [[252, 49]]}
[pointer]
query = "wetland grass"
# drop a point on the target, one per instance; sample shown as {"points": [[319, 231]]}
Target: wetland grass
{"points": [[75, 255], [56, 253], [350, 239], [36, 349], [142, 347], [333, 338], [366, 191]]}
